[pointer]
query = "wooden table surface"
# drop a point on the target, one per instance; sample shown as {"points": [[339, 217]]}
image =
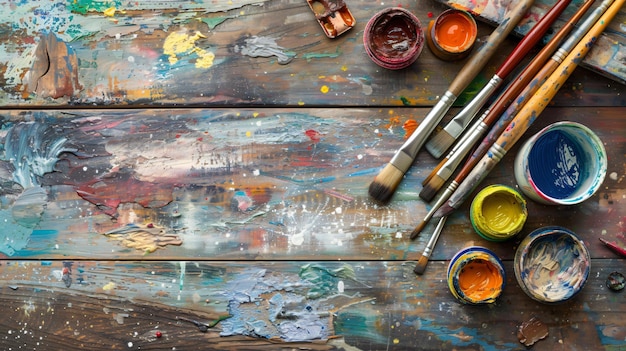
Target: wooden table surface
{"points": [[180, 175]]}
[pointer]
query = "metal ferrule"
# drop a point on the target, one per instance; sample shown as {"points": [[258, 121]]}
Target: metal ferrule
{"points": [[403, 159], [456, 126]]}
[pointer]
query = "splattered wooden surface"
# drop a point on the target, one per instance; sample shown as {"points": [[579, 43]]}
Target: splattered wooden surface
{"points": [[165, 186]]}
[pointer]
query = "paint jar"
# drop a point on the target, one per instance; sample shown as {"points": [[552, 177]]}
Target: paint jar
{"points": [[393, 38], [552, 264], [498, 212], [451, 36], [476, 276], [563, 164]]}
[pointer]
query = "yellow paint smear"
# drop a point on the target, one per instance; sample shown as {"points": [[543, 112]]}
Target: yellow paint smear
{"points": [[179, 44], [110, 12]]}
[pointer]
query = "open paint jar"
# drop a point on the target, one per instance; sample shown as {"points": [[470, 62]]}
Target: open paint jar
{"points": [[552, 264], [498, 212], [563, 164], [476, 276], [451, 36], [393, 38]]}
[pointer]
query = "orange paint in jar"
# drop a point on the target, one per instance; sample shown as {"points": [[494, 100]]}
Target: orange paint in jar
{"points": [[480, 280], [452, 35], [476, 276]]}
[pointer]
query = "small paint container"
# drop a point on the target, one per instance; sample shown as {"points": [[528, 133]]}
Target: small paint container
{"points": [[476, 276], [563, 164], [498, 212], [451, 36], [393, 38], [552, 264], [333, 16]]}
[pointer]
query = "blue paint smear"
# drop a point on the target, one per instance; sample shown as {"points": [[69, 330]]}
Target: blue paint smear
{"points": [[557, 164]]}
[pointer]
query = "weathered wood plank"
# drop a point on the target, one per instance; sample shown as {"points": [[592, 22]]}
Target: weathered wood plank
{"points": [[130, 53], [285, 305], [249, 184]]}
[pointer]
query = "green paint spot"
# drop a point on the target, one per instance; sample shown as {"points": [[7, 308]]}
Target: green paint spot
{"points": [[215, 21], [312, 55], [471, 91], [324, 281], [405, 101], [85, 6]]}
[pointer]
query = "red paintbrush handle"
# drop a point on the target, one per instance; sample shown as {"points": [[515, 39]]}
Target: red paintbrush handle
{"points": [[531, 38]]}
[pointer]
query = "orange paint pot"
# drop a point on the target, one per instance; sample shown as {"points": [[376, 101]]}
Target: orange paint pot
{"points": [[451, 36], [476, 276]]}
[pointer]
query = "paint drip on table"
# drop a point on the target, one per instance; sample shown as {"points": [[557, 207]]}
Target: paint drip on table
{"points": [[563, 164]]}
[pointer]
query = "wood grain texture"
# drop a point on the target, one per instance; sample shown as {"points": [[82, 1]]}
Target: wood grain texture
{"points": [[121, 306], [248, 52], [158, 174], [245, 184]]}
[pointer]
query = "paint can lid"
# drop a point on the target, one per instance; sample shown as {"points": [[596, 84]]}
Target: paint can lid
{"points": [[451, 36]]}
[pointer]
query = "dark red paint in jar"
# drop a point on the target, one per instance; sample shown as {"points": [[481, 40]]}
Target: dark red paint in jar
{"points": [[393, 38]]}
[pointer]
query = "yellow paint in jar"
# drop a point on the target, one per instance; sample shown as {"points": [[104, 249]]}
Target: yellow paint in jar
{"points": [[498, 212]]}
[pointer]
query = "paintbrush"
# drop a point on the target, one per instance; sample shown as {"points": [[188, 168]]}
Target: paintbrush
{"points": [[443, 139], [529, 113], [440, 174], [420, 267], [503, 121], [385, 183]]}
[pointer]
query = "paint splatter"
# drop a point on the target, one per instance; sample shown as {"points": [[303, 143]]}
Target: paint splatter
{"points": [[324, 89], [409, 127], [145, 238], [180, 44], [314, 135], [264, 47]]}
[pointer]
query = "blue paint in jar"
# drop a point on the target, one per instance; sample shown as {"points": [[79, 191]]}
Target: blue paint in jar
{"points": [[557, 164]]}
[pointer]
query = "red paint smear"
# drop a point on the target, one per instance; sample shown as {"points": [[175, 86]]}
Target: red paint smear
{"points": [[314, 135], [430, 15], [108, 193]]}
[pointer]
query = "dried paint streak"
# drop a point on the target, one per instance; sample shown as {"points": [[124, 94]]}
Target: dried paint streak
{"points": [[287, 306], [32, 150], [54, 72], [180, 44], [147, 238], [264, 47]]}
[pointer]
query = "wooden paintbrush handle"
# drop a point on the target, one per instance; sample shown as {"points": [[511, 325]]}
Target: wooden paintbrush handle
{"points": [[540, 100], [478, 61], [539, 68], [531, 38]]}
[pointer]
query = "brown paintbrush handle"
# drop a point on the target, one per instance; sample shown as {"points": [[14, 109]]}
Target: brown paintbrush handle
{"points": [[531, 38], [478, 61], [533, 67]]}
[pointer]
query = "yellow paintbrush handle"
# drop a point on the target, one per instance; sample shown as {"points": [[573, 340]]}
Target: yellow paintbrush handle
{"points": [[541, 99]]}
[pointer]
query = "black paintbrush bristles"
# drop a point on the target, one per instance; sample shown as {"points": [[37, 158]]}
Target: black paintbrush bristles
{"points": [[418, 229], [384, 185], [420, 267], [439, 143], [431, 188]]}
